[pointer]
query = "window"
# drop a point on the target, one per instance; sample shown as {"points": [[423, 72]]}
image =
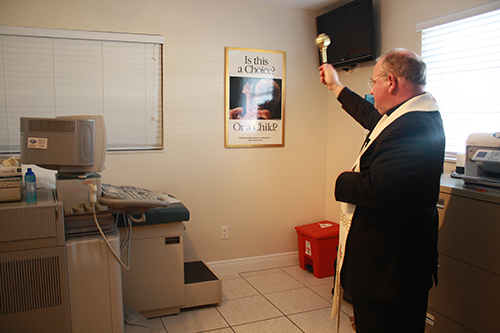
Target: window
{"points": [[49, 73], [463, 72]]}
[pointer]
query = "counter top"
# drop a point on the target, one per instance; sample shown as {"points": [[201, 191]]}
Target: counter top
{"points": [[455, 186], [44, 197]]}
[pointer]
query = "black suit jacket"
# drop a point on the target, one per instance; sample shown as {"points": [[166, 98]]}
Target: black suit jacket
{"points": [[391, 249]]}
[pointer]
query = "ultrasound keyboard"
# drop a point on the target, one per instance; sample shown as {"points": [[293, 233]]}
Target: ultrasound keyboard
{"points": [[131, 199]]}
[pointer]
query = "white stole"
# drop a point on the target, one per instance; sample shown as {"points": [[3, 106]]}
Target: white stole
{"points": [[425, 103]]}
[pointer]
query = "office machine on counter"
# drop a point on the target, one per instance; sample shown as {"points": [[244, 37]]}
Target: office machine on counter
{"points": [[482, 161]]}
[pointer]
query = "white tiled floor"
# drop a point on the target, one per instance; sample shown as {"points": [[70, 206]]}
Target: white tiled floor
{"points": [[286, 299]]}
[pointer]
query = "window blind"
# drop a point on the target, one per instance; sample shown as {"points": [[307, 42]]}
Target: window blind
{"points": [[50, 73], [463, 68]]}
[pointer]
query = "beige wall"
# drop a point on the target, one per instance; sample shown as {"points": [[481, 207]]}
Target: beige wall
{"points": [[260, 193]]}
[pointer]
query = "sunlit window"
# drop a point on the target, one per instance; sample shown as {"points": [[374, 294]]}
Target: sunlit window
{"points": [[463, 74]]}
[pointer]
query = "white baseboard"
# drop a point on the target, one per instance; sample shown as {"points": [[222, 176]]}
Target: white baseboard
{"points": [[234, 266]]}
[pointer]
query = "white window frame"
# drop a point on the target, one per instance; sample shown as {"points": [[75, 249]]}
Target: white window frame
{"points": [[452, 95], [52, 72]]}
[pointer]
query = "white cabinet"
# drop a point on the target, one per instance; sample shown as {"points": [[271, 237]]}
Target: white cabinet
{"points": [[33, 276]]}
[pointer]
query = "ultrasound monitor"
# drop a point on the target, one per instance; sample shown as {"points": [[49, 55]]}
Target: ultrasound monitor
{"points": [[69, 144]]}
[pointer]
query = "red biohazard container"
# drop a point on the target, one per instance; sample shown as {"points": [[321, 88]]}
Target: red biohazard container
{"points": [[318, 247]]}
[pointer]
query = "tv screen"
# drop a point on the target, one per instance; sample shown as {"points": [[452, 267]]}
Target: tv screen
{"points": [[350, 28]]}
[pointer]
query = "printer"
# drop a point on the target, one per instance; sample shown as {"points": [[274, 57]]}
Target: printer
{"points": [[482, 161]]}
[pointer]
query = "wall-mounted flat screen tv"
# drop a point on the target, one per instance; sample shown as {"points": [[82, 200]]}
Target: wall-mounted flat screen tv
{"points": [[350, 28]]}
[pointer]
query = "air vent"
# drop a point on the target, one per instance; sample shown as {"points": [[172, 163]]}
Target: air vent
{"points": [[51, 125], [29, 285]]}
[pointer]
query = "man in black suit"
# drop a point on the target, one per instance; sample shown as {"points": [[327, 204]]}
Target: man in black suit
{"points": [[390, 254]]}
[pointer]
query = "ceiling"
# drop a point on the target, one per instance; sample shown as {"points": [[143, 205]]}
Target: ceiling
{"points": [[302, 4]]}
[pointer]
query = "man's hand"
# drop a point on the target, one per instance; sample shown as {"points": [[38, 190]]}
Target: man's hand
{"points": [[330, 78]]}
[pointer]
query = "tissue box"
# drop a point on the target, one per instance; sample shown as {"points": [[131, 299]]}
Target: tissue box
{"points": [[318, 247], [11, 171]]}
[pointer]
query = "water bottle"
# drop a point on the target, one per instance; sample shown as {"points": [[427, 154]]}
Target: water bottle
{"points": [[30, 186]]}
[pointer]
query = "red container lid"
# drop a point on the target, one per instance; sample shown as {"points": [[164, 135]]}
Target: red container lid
{"points": [[319, 230]]}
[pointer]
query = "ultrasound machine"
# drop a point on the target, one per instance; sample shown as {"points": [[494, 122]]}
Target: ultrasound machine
{"points": [[105, 266]]}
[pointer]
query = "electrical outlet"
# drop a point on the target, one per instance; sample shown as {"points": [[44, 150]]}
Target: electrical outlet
{"points": [[224, 232]]}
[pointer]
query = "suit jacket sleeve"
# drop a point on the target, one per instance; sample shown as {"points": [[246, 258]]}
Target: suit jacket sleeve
{"points": [[360, 109]]}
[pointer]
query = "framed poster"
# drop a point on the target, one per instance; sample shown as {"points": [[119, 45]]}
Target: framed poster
{"points": [[254, 98]]}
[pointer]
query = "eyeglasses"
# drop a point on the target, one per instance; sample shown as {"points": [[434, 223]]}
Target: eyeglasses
{"points": [[371, 82]]}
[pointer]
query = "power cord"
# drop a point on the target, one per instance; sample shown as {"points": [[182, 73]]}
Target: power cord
{"points": [[93, 201]]}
